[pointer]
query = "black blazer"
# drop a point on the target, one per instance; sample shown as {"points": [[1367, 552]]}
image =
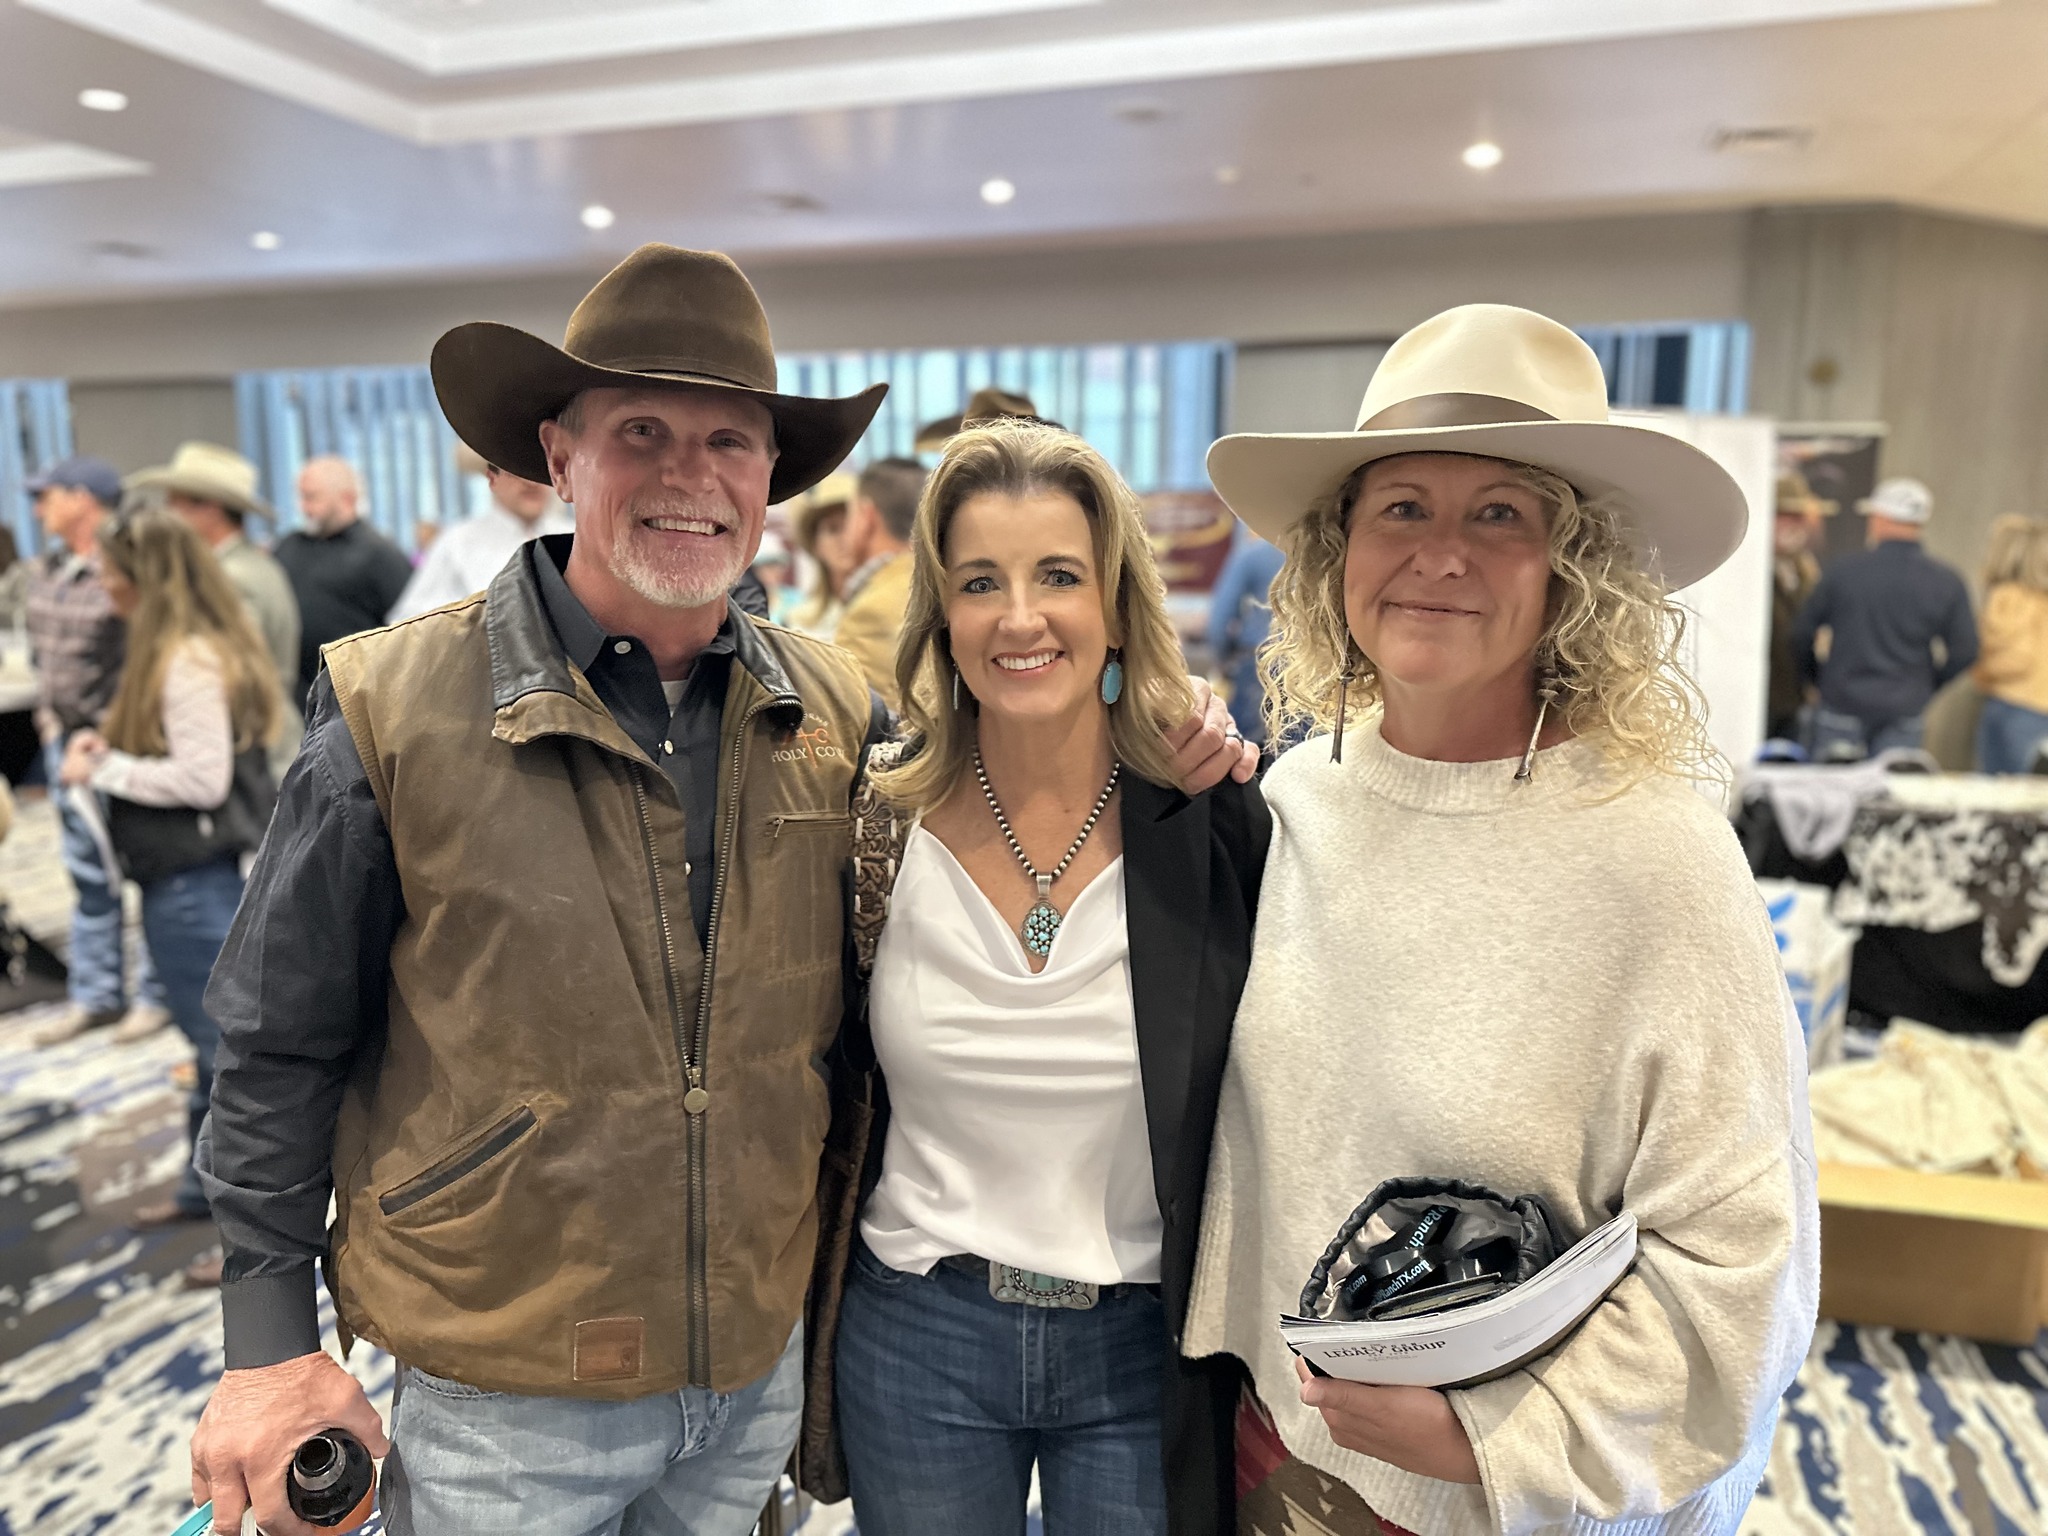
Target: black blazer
{"points": [[1191, 889]]}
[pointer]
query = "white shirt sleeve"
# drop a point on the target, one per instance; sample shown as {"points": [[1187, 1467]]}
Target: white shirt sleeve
{"points": [[437, 581], [199, 766]]}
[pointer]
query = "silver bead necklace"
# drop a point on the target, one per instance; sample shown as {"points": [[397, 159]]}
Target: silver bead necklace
{"points": [[1042, 922]]}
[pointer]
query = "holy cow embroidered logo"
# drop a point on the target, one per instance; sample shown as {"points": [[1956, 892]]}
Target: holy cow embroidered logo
{"points": [[812, 743]]}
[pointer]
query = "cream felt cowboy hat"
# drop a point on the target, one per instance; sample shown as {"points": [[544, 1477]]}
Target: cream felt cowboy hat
{"points": [[662, 316], [206, 472], [1505, 383]]}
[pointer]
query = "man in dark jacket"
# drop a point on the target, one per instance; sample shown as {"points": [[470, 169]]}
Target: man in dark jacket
{"points": [[345, 574], [1900, 627]]}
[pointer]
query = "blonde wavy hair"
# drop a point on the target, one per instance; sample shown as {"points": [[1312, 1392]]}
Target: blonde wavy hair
{"points": [[182, 594], [1613, 639], [2017, 551], [1014, 457]]}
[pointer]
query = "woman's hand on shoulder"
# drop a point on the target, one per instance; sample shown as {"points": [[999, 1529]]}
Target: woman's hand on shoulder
{"points": [[1412, 1428], [1207, 746]]}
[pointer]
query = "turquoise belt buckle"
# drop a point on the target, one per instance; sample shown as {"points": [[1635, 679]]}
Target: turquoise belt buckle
{"points": [[1027, 1288]]}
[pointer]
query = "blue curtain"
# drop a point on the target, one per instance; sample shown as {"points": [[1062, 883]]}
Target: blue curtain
{"points": [[1692, 367], [384, 421], [35, 432], [1151, 409]]}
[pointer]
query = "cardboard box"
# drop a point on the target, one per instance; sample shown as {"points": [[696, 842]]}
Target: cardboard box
{"points": [[1934, 1253]]}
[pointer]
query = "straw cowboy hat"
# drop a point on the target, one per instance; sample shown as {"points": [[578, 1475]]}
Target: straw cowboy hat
{"points": [[661, 316], [206, 472], [1505, 383], [834, 493], [983, 405], [1795, 497]]}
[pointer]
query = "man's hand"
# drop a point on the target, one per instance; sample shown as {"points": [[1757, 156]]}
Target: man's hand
{"points": [[1412, 1428], [255, 1422], [1207, 746]]}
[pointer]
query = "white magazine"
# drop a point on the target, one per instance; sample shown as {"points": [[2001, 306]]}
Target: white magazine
{"points": [[1477, 1343]]}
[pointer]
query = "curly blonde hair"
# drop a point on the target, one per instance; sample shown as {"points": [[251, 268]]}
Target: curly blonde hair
{"points": [[1017, 457], [1613, 640]]}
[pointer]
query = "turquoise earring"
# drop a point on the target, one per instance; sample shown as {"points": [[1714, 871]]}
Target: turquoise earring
{"points": [[1113, 678]]}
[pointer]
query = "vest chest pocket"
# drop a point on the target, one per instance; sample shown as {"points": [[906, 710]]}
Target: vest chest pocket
{"points": [[794, 862], [477, 1150], [799, 823]]}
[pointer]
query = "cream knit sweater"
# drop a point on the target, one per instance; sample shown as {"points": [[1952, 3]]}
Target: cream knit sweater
{"points": [[1545, 991]]}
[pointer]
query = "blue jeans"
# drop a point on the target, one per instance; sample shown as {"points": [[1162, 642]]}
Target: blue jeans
{"points": [[946, 1397], [185, 917], [97, 973], [1864, 738], [465, 1462], [2008, 736]]}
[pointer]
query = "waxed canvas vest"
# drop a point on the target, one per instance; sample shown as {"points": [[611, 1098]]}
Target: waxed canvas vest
{"points": [[584, 1163]]}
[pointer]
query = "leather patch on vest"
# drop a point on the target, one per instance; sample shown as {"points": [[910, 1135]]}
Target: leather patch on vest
{"points": [[609, 1348]]}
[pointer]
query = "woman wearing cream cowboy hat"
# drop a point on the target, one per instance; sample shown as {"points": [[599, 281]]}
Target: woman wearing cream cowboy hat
{"points": [[1503, 939]]}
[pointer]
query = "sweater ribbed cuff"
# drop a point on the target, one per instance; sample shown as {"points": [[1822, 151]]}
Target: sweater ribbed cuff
{"points": [[270, 1318]]}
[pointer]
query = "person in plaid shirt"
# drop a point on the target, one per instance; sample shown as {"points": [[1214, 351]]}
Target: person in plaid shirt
{"points": [[78, 642]]}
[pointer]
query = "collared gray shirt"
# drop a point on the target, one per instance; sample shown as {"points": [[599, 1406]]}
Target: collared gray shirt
{"points": [[684, 740]]}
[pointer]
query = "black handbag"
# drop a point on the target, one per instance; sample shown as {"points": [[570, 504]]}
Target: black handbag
{"points": [[154, 842]]}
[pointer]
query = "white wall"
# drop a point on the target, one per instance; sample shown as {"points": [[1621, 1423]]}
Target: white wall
{"points": [[1306, 288], [1730, 633]]}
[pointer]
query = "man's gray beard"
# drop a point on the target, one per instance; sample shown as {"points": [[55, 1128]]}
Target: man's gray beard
{"points": [[663, 588]]}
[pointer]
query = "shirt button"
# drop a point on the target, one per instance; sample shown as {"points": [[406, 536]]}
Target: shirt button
{"points": [[669, 747], [686, 866], [623, 647]]}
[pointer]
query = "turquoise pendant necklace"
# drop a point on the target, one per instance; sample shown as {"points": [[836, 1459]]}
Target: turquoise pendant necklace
{"points": [[1042, 922]]}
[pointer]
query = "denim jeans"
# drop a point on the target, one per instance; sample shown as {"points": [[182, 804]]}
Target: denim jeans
{"points": [[1863, 738], [2008, 736], [465, 1462], [947, 1396], [97, 973], [185, 917]]}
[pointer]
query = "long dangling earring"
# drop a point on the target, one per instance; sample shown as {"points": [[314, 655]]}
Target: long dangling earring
{"points": [[956, 687], [1113, 678], [1344, 681], [1546, 695]]}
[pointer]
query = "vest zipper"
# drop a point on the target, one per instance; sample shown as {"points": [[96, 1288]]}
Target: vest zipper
{"points": [[693, 1073], [700, 1300]]}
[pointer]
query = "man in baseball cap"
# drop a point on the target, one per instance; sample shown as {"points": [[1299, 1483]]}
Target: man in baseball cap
{"points": [[1900, 627], [78, 642]]}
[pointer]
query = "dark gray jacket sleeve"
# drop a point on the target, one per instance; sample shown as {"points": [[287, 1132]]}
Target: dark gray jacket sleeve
{"points": [[299, 993]]}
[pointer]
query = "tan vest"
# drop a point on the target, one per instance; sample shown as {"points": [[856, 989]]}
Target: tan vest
{"points": [[581, 1166]]}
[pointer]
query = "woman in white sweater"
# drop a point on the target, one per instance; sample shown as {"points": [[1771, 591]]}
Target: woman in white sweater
{"points": [[1504, 939], [185, 773]]}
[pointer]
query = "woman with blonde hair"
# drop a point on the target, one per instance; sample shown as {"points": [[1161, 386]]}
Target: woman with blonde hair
{"points": [[1504, 940], [183, 762], [2012, 665], [1050, 1006]]}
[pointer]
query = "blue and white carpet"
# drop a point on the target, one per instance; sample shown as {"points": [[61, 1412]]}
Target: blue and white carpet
{"points": [[106, 1361]]}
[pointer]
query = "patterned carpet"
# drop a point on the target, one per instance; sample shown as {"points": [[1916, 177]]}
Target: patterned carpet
{"points": [[105, 1361]]}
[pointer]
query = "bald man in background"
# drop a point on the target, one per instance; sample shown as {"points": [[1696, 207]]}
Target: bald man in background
{"points": [[345, 574]]}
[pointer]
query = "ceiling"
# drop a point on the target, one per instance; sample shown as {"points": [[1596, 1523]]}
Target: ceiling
{"points": [[375, 140]]}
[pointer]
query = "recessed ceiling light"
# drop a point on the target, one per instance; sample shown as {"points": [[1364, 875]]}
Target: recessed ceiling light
{"points": [[98, 99], [1229, 175], [265, 240], [597, 216], [1483, 156], [997, 191]]}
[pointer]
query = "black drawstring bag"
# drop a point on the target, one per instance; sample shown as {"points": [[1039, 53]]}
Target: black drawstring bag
{"points": [[1417, 1246]]}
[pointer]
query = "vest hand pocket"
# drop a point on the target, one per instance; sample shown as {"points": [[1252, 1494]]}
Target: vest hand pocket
{"points": [[472, 1155]]}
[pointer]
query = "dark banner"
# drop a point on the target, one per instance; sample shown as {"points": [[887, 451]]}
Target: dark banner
{"points": [[1840, 464]]}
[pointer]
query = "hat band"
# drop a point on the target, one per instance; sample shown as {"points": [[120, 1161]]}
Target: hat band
{"points": [[1451, 410]]}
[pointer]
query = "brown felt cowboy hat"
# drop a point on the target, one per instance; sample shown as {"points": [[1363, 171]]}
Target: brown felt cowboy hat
{"points": [[984, 405], [661, 316]]}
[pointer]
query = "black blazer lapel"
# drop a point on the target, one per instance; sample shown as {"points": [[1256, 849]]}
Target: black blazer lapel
{"points": [[1166, 895]]}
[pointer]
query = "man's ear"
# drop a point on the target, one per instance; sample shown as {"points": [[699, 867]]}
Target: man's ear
{"points": [[558, 443]]}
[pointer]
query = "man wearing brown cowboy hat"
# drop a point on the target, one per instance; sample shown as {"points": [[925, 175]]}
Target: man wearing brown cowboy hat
{"points": [[539, 961]]}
